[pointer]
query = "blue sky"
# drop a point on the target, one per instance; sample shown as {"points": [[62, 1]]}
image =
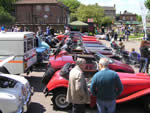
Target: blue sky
{"points": [[121, 5]]}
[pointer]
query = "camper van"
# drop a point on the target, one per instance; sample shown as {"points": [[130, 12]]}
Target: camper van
{"points": [[21, 46]]}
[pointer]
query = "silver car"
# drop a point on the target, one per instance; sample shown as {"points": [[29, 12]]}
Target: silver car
{"points": [[15, 93]]}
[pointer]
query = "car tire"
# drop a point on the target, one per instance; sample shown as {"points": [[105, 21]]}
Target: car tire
{"points": [[48, 75], [146, 103], [59, 101]]}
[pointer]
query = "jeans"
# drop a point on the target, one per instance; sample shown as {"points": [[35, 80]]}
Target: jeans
{"points": [[78, 108], [143, 65], [106, 106]]}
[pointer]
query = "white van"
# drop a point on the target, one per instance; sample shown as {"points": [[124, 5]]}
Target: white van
{"points": [[22, 46]]}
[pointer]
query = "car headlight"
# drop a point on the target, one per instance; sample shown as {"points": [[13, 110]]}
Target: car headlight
{"points": [[24, 91]]}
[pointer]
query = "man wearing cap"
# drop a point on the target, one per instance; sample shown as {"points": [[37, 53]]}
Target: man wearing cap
{"points": [[77, 92], [106, 86]]}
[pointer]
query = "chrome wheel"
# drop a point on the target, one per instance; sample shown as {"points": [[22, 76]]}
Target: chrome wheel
{"points": [[59, 101]]}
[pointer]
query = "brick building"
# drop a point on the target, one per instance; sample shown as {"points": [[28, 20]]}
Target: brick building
{"points": [[34, 13], [127, 16], [109, 11]]}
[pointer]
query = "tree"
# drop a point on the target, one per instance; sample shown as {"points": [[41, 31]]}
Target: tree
{"points": [[117, 17], [147, 4], [72, 5], [5, 17], [90, 11], [139, 18], [7, 5], [106, 21]]}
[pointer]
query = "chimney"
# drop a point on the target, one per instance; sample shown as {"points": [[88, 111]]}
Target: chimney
{"points": [[114, 5]]}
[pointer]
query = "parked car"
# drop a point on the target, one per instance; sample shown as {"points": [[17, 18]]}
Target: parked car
{"points": [[136, 86], [58, 61], [42, 54], [78, 34], [75, 45], [96, 47], [42, 50], [15, 94]]}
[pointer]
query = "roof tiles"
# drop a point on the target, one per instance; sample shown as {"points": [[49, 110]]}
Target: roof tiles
{"points": [[36, 1]]}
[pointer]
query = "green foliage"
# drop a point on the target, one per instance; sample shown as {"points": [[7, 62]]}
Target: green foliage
{"points": [[73, 17], [7, 5], [139, 18], [147, 4], [72, 4], [5, 17], [106, 21], [138, 35], [90, 11]]}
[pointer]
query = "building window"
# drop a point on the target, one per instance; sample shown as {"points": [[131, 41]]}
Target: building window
{"points": [[131, 18], [46, 8], [123, 18], [58, 21], [38, 7]]}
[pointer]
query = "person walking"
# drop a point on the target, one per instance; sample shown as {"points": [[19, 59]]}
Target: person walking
{"points": [[48, 32], [144, 60], [77, 92], [127, 34], [106, 86]]}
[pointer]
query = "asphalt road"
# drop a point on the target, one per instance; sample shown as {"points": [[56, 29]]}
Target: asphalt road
{"points": [[40, 104]]}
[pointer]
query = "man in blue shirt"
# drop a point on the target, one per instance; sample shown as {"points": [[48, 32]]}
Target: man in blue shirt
{"points": [[106, 86]]}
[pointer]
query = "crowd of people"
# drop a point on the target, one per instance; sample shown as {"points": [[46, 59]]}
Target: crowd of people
{"points": [[121, 33], [143, 58], [49, 29], [14, 29]]}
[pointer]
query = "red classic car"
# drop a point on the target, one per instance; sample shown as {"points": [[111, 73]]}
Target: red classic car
{"points": [[59, 61], [136, 86], [77, 34]]}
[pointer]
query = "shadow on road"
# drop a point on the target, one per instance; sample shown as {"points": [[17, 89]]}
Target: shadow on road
{"points": [[130, 107], [35, 82], [36, 108], [40, 67], [127, 107]]}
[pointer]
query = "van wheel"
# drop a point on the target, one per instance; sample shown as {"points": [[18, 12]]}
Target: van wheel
{"points": [[59, 101], [48, 75], [3, 70], [146, 104]]}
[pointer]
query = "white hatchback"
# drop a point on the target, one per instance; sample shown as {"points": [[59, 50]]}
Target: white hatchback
{"points": [[15, 93]]}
